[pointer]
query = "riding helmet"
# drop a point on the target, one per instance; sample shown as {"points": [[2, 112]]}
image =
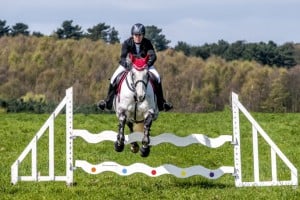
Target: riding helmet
{"points": [[138, 29]]}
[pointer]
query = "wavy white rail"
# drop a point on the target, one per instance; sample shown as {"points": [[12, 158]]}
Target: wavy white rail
{"points": [[153, 171], [155, 140]]}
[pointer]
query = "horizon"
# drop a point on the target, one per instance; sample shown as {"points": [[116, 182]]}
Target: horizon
{"points": [[192, 21]]}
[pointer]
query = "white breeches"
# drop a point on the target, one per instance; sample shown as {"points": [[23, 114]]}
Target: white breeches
{"points": [[121, 69]]}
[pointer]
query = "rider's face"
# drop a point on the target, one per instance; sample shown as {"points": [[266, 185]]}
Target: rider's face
{"points": [[137, 38]]}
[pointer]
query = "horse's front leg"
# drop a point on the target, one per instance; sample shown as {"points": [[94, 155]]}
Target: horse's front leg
{"points": [[145, 150], [134, 145], [119, 144]]}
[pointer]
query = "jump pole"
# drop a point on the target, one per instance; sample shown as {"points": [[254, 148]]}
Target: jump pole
{"points": [[71, 134]]}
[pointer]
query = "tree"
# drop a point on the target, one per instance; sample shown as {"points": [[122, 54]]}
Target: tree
{"points": [[37, 34], [19, 29], [4, 30], [220, 48], [68, 31], [267, 53], [184, 47], [297, 53], [201, 51], [103, 32], [114, 36], [235, 51], [158, 40], [278, 98], [98, 32], [293, 86], [286, 55], [257, 88]]}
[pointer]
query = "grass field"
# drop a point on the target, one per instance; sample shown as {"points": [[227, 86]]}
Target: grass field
{"points": [[16, 131]]}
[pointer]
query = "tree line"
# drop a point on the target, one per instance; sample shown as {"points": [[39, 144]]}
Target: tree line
{"points": [[35, 71], [101, 31], [286, 55], [265, 53]]}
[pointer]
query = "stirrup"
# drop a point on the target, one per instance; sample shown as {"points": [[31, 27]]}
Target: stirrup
{"points": [[167, 106], [101, 104]]}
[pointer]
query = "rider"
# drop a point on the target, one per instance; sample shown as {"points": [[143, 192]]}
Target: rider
{"points": [[138, 45]]}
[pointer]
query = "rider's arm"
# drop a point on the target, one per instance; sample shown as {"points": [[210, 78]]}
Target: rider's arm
{"points": [[151, 53], [152, 57], [124, 52]]}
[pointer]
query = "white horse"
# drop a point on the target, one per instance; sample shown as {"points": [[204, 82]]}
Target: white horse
{"points": [[136, 103]]}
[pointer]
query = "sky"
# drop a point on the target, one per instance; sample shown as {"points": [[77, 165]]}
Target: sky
{"points": [[195, 22]]}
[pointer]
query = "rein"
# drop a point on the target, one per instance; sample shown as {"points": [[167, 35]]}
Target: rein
{"points": [[139, 64], [132, 87]]}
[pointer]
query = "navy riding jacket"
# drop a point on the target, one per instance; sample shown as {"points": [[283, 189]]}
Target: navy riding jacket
{"points": [[146, 47]]}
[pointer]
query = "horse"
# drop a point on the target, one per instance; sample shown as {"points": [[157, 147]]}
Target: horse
{"points": [[135, 103]]}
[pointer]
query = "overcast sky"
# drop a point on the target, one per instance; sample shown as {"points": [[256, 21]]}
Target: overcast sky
{"points": [[193, 21]]}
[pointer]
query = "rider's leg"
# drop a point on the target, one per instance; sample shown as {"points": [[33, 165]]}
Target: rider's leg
{"points": [[108, 102], [161, 102]]}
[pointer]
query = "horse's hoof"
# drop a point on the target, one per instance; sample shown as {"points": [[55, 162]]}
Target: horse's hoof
{"points": [[119, 147], [146, 140], [145, 151], [134, 147]]}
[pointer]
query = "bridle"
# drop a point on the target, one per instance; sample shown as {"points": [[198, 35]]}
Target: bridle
{"points": [[133, 85], [138, 64]]}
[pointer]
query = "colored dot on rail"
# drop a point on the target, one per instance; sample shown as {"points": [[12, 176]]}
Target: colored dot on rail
{"points": [[153, 172], [183, 173], [93, 169], [211, 174], [124, 171]]}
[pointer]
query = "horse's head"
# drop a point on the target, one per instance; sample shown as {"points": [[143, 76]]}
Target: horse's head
{"points": [[140, 76]]}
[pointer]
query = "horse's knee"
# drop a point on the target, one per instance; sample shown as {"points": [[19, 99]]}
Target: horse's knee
{"points": [[122, 121], [122, 118], [148, 120]]}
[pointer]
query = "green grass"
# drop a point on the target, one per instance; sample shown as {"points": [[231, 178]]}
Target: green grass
{"points": [[16, 131]]}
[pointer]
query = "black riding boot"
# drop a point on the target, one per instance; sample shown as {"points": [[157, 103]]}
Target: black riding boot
{"points": [[108, 102], [161, 102]]}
